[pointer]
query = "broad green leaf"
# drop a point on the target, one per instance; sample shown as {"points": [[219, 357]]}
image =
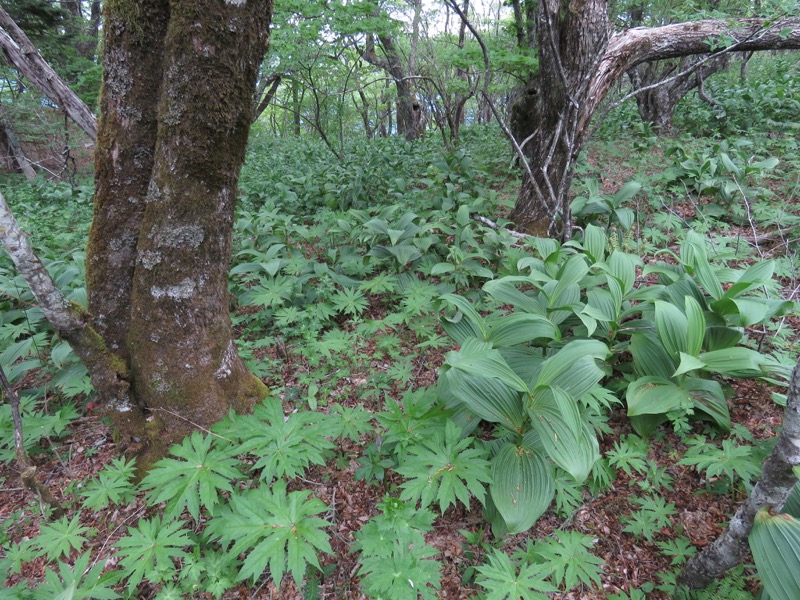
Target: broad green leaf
{"points": [[574, 368], [693, 254], [625, 217], [505, 292], [519, 328], [522, 486], [757, 274], [570, 274], [735, 362], [650, 357], [696, 326], [688, 363], [709, 398], [594, 243], [468, 315], [750, 311], [775, 543], [719, 337], [569, 442], [623, 267], [479, 358], [654, 395], [672, 328], [487, 397]]}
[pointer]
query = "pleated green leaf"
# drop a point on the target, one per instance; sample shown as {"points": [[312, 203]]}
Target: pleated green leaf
{"points": [[522, 486], [696, 326], [735, 362], [574, 368], [654, 396], [569, 442], [650, 358], [672, 328], [775, 543], [518, 328]]}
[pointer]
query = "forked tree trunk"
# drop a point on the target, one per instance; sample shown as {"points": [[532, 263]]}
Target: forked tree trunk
{"points": [[578, 63], [177, 107], [179, 82]]}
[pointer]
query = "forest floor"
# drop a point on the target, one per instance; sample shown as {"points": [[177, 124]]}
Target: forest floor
{"points": [[631, 563]]}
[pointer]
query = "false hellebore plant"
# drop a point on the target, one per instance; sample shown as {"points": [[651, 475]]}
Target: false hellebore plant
{"points": [[535, 371]]}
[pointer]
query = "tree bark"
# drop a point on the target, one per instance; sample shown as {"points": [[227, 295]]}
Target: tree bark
{"points": [[177, 104], [777, 482], [183, 357], [23, 55], [657, 103], [391, 62], [578, 63]]}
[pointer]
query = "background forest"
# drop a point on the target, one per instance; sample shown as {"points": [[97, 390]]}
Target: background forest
{"points": [[460, 404]]}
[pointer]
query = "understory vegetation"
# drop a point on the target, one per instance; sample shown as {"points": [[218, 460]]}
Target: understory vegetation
{"points": [[454, 410]]}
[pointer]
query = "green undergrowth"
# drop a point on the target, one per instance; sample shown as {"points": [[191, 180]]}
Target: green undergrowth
{"points": [[445, 365]]}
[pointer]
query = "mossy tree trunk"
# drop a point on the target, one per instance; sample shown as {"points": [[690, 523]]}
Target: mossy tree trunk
{"points": [[179, 83]]}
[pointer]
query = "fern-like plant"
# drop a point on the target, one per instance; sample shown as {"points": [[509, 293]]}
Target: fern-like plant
{"points": [[276, 530], [285, 445], [445, 468], [195, 478]]}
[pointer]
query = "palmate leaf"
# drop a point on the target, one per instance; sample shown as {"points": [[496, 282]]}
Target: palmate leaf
{"points": [[570, 558], [59, 537], [402, 575], [444, 469], [113, 485], [275, 531], [149, 549], [286, 445], [70, 583], [504, 579], [193, 479]]}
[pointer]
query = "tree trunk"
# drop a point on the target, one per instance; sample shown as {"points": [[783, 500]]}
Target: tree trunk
{"points": [[14, 149], [178, 92], [549, 119], [578, 64], [177, 106], [777, 482], [667, 84], [23, 55]]}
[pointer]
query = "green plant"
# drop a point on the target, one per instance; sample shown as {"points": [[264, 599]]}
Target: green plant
{"points": [[653, 515], [113, 485], [443, 469], [504, 578], [274, 529], [78, 582], [567, 557], [61, 536], [150, 549], [729, 459], [285, 445], [195, 478], [395, 560]]}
